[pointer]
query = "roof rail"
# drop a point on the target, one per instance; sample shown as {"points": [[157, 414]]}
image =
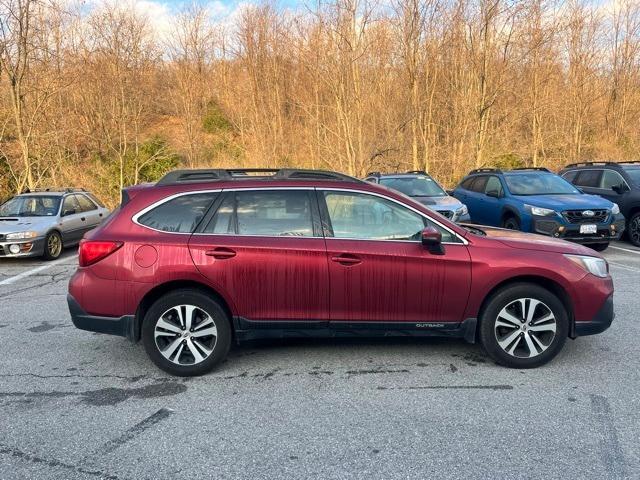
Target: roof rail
{"points": [[585, 164], [208, 175], [485, 170], [54, 189], [417, 172], [630, 162], [373, 174], [537, 169]]}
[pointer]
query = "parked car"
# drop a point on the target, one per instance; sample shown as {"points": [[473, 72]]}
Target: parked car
{"points": [[207, 256], [539, 201], [617, 182], [423, 188], [44, 222]]}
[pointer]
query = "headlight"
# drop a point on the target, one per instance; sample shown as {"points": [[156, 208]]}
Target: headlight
{"points": [[462, 210], [21, 235], [615, 210], [543, 212], [596, 266]]}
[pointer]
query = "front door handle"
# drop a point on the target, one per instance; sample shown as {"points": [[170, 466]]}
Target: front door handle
{"points": [[220, 253], [82, 218], [346, 259]]}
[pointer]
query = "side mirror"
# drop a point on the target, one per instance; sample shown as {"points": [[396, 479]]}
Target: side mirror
{"points": [[493, 193], [432, 240], [619, 189], [69, 211]]}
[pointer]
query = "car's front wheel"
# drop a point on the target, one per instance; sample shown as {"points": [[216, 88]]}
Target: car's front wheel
{"points": [[511, 223], [52, 246], [186, 333], [633, 229], [523, 326]]}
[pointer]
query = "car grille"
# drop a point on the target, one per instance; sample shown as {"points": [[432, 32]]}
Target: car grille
{"points": [[577, 216], [446, 213]]}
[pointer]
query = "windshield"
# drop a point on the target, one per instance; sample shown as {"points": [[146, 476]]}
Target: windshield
{"points": [[634, 175], [30, 206], [539, 184], [415, 186]]}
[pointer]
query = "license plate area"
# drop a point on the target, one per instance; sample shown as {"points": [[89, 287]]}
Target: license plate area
{"points": [[588, 228]]}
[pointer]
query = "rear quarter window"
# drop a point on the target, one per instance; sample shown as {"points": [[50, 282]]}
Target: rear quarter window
{"points": [[178, 215]]}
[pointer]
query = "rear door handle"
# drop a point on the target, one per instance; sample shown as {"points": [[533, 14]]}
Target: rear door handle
{"points": [[220, 253], [346, 259]]}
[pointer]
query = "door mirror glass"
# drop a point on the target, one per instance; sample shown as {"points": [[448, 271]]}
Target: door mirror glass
{"points": [[432, 240], [619, 189]]}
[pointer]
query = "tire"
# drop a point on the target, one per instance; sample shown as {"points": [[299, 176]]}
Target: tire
{"points": [[633, 229], [599, 247], [511, 222], [53, 246], [504, 340], [177, 349]]}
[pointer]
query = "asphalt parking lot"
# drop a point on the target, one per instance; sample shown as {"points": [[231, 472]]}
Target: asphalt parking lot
{"points": [[79, 405]]}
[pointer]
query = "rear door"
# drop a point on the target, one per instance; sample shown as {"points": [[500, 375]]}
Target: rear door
{"points": [[474, 197], [490, 211], [264, 249], [588, 180], [379, 270]]}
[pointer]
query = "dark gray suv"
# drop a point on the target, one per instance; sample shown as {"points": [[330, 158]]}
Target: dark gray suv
{"points": [[617, 182], [44, 222]]}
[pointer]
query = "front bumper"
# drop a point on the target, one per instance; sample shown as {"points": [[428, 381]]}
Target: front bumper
{"points": [[599, 323], [558, 228], [28, 248], [122, 326], [452, 215]]}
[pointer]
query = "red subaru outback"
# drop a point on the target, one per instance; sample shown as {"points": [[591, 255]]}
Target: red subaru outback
{"points": [[207, 256]]}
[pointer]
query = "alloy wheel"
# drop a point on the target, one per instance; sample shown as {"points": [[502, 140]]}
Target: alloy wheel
{"points": [[185, 335], [634, 230], [525, 328], [54, 245]]}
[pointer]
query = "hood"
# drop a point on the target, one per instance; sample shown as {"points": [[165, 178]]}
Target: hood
{"points": [[566, 202], [20, 224], [532, 241], [439, 203]]}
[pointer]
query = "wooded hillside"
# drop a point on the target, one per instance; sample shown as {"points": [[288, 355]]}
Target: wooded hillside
{"points": [[95, 97]]}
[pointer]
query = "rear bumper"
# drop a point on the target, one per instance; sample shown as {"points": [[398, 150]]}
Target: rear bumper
{"points": [[122, 326], [599, 323]]}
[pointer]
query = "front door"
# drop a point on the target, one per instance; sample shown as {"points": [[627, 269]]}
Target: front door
{"points": [[264, 249], [379, 270], [73, 222]]}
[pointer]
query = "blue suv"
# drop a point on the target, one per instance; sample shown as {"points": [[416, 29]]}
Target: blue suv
{"points": [[539, 201]]}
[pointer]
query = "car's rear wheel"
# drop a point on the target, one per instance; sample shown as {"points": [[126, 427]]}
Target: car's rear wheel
{"points": [[633, 229], [599, 247], [52, 246], [186, 333], [523, 326], [511, 222]]}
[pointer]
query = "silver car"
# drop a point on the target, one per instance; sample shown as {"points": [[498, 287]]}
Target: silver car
{"points": [[44, 222], [422, 187]]}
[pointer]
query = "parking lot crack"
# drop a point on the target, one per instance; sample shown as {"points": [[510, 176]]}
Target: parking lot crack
{"points": [[611, 451]]}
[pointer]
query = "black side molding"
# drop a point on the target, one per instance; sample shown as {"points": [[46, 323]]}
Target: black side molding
{"points": [[246, 329]]}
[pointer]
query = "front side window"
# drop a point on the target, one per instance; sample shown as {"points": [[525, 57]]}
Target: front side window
{"points": [[70, 205], [368, 217], [493, 185], [178, 215], [611, 179]]}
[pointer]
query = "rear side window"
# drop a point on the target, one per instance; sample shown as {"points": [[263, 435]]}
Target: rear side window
{"points": [[178, 215], [478, 184], [467, 183], [86, 205], [277, 213], [588, 178], [570, 176]]}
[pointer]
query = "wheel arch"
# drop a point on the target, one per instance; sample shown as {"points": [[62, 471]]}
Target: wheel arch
{"points": [[159, 290], [509, 211], [541, 281]]}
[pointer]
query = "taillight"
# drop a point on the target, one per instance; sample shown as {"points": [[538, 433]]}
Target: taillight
{"points": [[94, 251]]}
